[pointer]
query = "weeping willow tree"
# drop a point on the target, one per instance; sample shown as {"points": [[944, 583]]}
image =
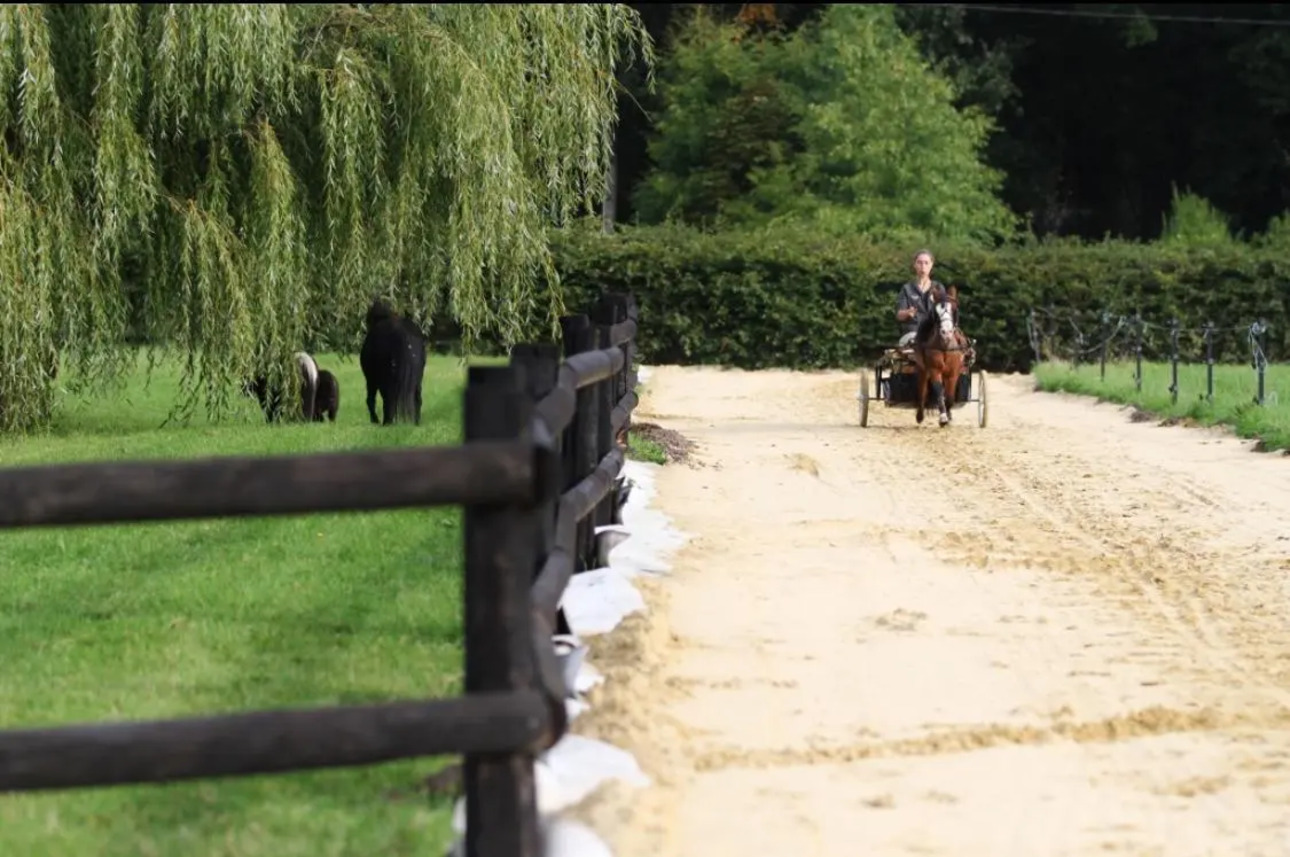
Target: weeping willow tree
{"points": [[237, 182]]}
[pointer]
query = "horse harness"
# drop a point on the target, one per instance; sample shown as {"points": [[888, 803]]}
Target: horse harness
{"points": [[967, 344]]}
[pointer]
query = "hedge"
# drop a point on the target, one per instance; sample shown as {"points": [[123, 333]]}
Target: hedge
{"points": [[788, 299]]}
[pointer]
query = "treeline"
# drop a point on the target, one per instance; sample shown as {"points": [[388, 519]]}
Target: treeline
{"points": [[795, 169], [1199, 102]]}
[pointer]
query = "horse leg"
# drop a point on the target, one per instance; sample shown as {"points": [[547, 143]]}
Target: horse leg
{"points": [[953, 386], [372, 400], [390, 403], [938, 388], [922, 396]]}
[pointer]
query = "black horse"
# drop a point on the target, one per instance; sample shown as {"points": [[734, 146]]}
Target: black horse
{"points": [[393, 359]]}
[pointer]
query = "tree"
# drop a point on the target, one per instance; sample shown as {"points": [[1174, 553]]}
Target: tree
{"points": [[724, 118], [981, 68], [238, 181], [1192, 221], [840, 125]]}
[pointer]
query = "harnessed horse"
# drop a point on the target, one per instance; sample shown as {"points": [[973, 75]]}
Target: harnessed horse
{"points": [[939, 350]]}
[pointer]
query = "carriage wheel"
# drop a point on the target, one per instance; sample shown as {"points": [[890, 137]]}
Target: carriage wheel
{"points": [[982, 409], [864, 399]]}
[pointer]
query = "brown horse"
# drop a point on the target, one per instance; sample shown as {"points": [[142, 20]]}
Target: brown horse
{"points": [[939, 347]]}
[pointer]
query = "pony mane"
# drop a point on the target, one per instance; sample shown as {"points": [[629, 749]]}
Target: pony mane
{"points": [[926, 327]]}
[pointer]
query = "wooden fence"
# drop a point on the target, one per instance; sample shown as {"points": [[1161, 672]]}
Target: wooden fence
{"points": [[536, 475]]}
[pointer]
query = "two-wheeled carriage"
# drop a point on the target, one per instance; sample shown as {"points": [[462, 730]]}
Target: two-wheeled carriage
{"points": [[893, 380]]}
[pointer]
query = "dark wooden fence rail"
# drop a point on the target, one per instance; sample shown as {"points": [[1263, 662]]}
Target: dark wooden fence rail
{"points": [[537, 474]]}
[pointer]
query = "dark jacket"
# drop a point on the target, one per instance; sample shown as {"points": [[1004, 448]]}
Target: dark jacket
{"points": [[910, 297]]}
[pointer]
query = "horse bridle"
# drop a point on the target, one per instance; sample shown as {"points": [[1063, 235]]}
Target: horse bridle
{"points": [[940, 307]]}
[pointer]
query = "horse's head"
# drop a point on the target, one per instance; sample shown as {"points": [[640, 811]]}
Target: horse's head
{"points": [[945, 304], [379, 311], [945, 320]]}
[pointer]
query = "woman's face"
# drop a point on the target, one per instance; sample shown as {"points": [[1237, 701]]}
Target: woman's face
{"points": [[923, 265]]}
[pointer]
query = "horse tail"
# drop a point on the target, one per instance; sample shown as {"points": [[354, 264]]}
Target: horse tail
{"points": [[333, 406], [406, 379], [309, 371]]}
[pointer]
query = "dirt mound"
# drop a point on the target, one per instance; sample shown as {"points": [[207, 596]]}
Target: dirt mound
{"points": [[675, 445]]}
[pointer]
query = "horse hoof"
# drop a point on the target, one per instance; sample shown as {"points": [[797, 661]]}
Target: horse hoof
{"points": [[918, 418], [944, 421]]}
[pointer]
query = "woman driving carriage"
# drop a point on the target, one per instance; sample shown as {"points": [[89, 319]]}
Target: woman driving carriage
{"points": [[915, 299]]}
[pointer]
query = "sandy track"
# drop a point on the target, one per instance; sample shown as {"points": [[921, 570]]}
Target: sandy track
{"points": [[1089, 654]]}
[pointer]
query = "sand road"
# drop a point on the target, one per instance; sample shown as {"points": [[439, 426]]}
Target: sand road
{"points": [[1066, 633]]}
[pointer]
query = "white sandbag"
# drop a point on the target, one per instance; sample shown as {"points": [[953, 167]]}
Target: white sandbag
{"points": [[596, 601], [570, 771]]}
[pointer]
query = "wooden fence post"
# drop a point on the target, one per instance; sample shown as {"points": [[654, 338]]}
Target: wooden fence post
{"points": [[629, 367], [500, 544], [541, 364], [629, 386], [581, 441], [571, 328], [605, 401], [610, 310]]}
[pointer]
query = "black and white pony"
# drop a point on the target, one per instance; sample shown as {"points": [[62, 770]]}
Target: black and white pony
{"points": [[319, 392]]}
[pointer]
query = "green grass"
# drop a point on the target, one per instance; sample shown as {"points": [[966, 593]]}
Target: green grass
{"points": [[185, 618], [1233, 404], [642, 449]]}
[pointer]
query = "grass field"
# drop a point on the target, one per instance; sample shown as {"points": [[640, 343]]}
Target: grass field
{"points": [[173, 619], [1233, 403]]}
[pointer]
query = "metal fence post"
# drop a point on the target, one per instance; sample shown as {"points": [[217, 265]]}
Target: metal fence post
{"points": [[1209, 361], [1173, 360], [1137, 351]]}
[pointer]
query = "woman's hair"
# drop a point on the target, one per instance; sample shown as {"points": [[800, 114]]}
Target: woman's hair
{"points": [[927, 253]]}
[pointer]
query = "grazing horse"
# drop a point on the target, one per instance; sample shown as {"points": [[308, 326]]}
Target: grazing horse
{"points": [[270, 398], [939, 346], [327, 400], [393, 359]]}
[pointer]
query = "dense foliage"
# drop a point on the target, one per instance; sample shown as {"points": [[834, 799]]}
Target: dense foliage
{"points": [[232, 180], [1100, 110], [794, 298], [838, 126]]}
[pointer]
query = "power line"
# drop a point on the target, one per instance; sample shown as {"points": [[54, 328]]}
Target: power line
{"points": [[1109, 15]]}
